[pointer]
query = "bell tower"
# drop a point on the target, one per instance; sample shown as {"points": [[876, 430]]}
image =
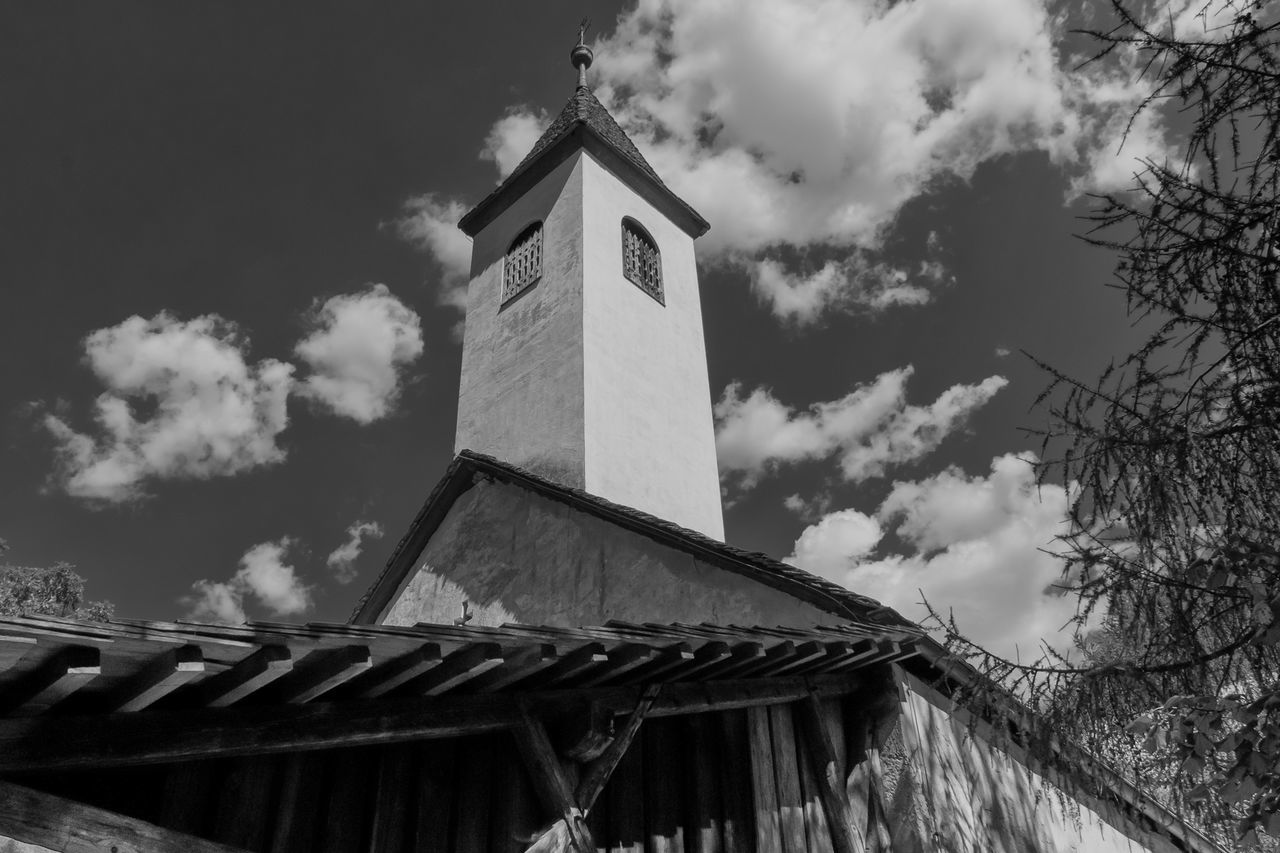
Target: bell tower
{"points": [[583, 354]]}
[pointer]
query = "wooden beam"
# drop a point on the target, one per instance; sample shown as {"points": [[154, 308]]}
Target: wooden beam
{"points": [[247, 676], [463, 665], [64, 741], [54, 680], [169, 671], [599, 771], [387, 677], [320, 672], [764, 785], [816, 742], [66, 826], [549, 779]]}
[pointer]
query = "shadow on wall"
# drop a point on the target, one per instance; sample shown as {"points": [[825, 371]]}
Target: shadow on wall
{"points": [[953, 791]]}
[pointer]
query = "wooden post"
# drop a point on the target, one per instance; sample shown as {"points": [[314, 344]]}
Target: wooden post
{"points": [[390, 815], [303, 779], [663, 773], [475, 796], [787, 770], [598, 772], [437, 781], [738, 828], [549, 780], [706, 796], [764, 785], [244, 803], [626, 800], [825, 764], [66, 826]]}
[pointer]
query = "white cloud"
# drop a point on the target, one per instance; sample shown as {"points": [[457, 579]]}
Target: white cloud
{"points": [[343, 558], [823, 145], [832, 546], [1003, 352], [181, 402], [804, 298], [431, 225], [357, 349], [870, 428], [263, 575], [512, 137], [979, 547]]}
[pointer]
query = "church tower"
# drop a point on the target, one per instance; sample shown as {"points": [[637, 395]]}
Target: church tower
{"points": [[583, 354]]}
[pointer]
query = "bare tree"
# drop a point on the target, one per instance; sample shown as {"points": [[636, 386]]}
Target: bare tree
{"points": [[1172, 456]]}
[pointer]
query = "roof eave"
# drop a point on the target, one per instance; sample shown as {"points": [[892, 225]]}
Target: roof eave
{"points": [[582, 136]]}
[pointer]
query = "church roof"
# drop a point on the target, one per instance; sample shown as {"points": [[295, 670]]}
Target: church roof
{"points": [[842, 603], [584, 122]]}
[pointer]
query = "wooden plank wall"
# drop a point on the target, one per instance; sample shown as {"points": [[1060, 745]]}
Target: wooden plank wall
{"points": [[728, 782]]}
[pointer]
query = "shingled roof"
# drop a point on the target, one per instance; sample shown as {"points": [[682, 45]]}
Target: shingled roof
{"points": [[842, 603], [585, 123]]}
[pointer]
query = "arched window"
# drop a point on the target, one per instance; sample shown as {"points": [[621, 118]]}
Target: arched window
{"points": [[641, 263], [523, 265]]}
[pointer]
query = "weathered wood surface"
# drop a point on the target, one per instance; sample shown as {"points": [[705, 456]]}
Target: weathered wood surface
{"points": [[706, 798], [434, 794], [786, 769], [150, 737], [824, 769], [245, 807], [550, 782], [738, 826], [158, 679], [764, 784], [391, 824], [54, 680], [599, 771], [625, 793], [303, 777], [664, 755], [246, 677], [66, 826]]}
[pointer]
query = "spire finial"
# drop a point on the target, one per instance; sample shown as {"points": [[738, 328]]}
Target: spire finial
{"points": [[581, 55]]}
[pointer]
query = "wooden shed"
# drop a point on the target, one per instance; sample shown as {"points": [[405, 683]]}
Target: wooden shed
{"points": [[149, 736]]}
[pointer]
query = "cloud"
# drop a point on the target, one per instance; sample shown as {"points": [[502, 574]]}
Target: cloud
{"points": [[822, 147], [869, 428], [431, 225], [264, 576], [804, 298], [343, 558], [512, 137], [357, 348], [1003, 352], [182, 402], [979, 547], [832, 546]]}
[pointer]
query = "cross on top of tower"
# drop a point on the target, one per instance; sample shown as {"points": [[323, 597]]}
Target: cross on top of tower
{"points": [[581, 55]]}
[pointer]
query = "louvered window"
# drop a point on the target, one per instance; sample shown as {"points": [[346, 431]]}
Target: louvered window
{"points": [[641, 263], [524, 262]]}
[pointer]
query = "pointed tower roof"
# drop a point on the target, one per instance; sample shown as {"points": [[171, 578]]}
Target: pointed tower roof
{"points": [[585, 123]]}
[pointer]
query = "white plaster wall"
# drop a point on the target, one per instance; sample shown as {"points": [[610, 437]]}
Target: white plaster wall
{"points": [[515, 556], [649, 436], [521, 392], [957, 791]]}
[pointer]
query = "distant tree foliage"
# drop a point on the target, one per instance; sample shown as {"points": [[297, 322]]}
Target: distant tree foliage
{"points": [[1174, 452], [54, 591]]}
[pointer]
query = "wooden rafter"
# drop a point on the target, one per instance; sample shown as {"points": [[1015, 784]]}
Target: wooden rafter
{"points": [[549, 780], [66, 826]]}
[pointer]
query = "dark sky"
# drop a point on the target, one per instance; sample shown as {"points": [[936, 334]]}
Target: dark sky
{"points": [[244, 160]]}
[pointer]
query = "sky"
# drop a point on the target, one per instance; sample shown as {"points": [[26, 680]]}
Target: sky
{"points": [[231, 277]]}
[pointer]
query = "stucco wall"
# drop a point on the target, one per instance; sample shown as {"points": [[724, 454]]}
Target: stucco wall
{"points": [[950, 789], [517, 557], [649, 435], [521, 393]]}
